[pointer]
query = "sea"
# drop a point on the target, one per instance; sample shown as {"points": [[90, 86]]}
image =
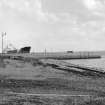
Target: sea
{"points": [[97, 63]]}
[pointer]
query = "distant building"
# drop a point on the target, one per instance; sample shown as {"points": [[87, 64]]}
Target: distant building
{"points": [[69, 51], [25, 50], [12, 51]]}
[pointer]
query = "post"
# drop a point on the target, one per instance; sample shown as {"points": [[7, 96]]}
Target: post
{"points": [[45, 52], [2, 59], [3, 34], [2, 43]]}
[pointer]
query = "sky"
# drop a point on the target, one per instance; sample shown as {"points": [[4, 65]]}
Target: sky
{"points": [[54, 25]]}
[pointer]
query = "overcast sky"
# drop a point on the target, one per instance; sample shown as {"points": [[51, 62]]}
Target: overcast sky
{"points": [[57, 25]]}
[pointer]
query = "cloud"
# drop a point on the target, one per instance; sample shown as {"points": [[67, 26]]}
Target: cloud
{"points": [[96, 6], [91, 4], [22, 5], [31, 8]]}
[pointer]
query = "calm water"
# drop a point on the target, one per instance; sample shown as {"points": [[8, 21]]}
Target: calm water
{"points": [[100, 63]]}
